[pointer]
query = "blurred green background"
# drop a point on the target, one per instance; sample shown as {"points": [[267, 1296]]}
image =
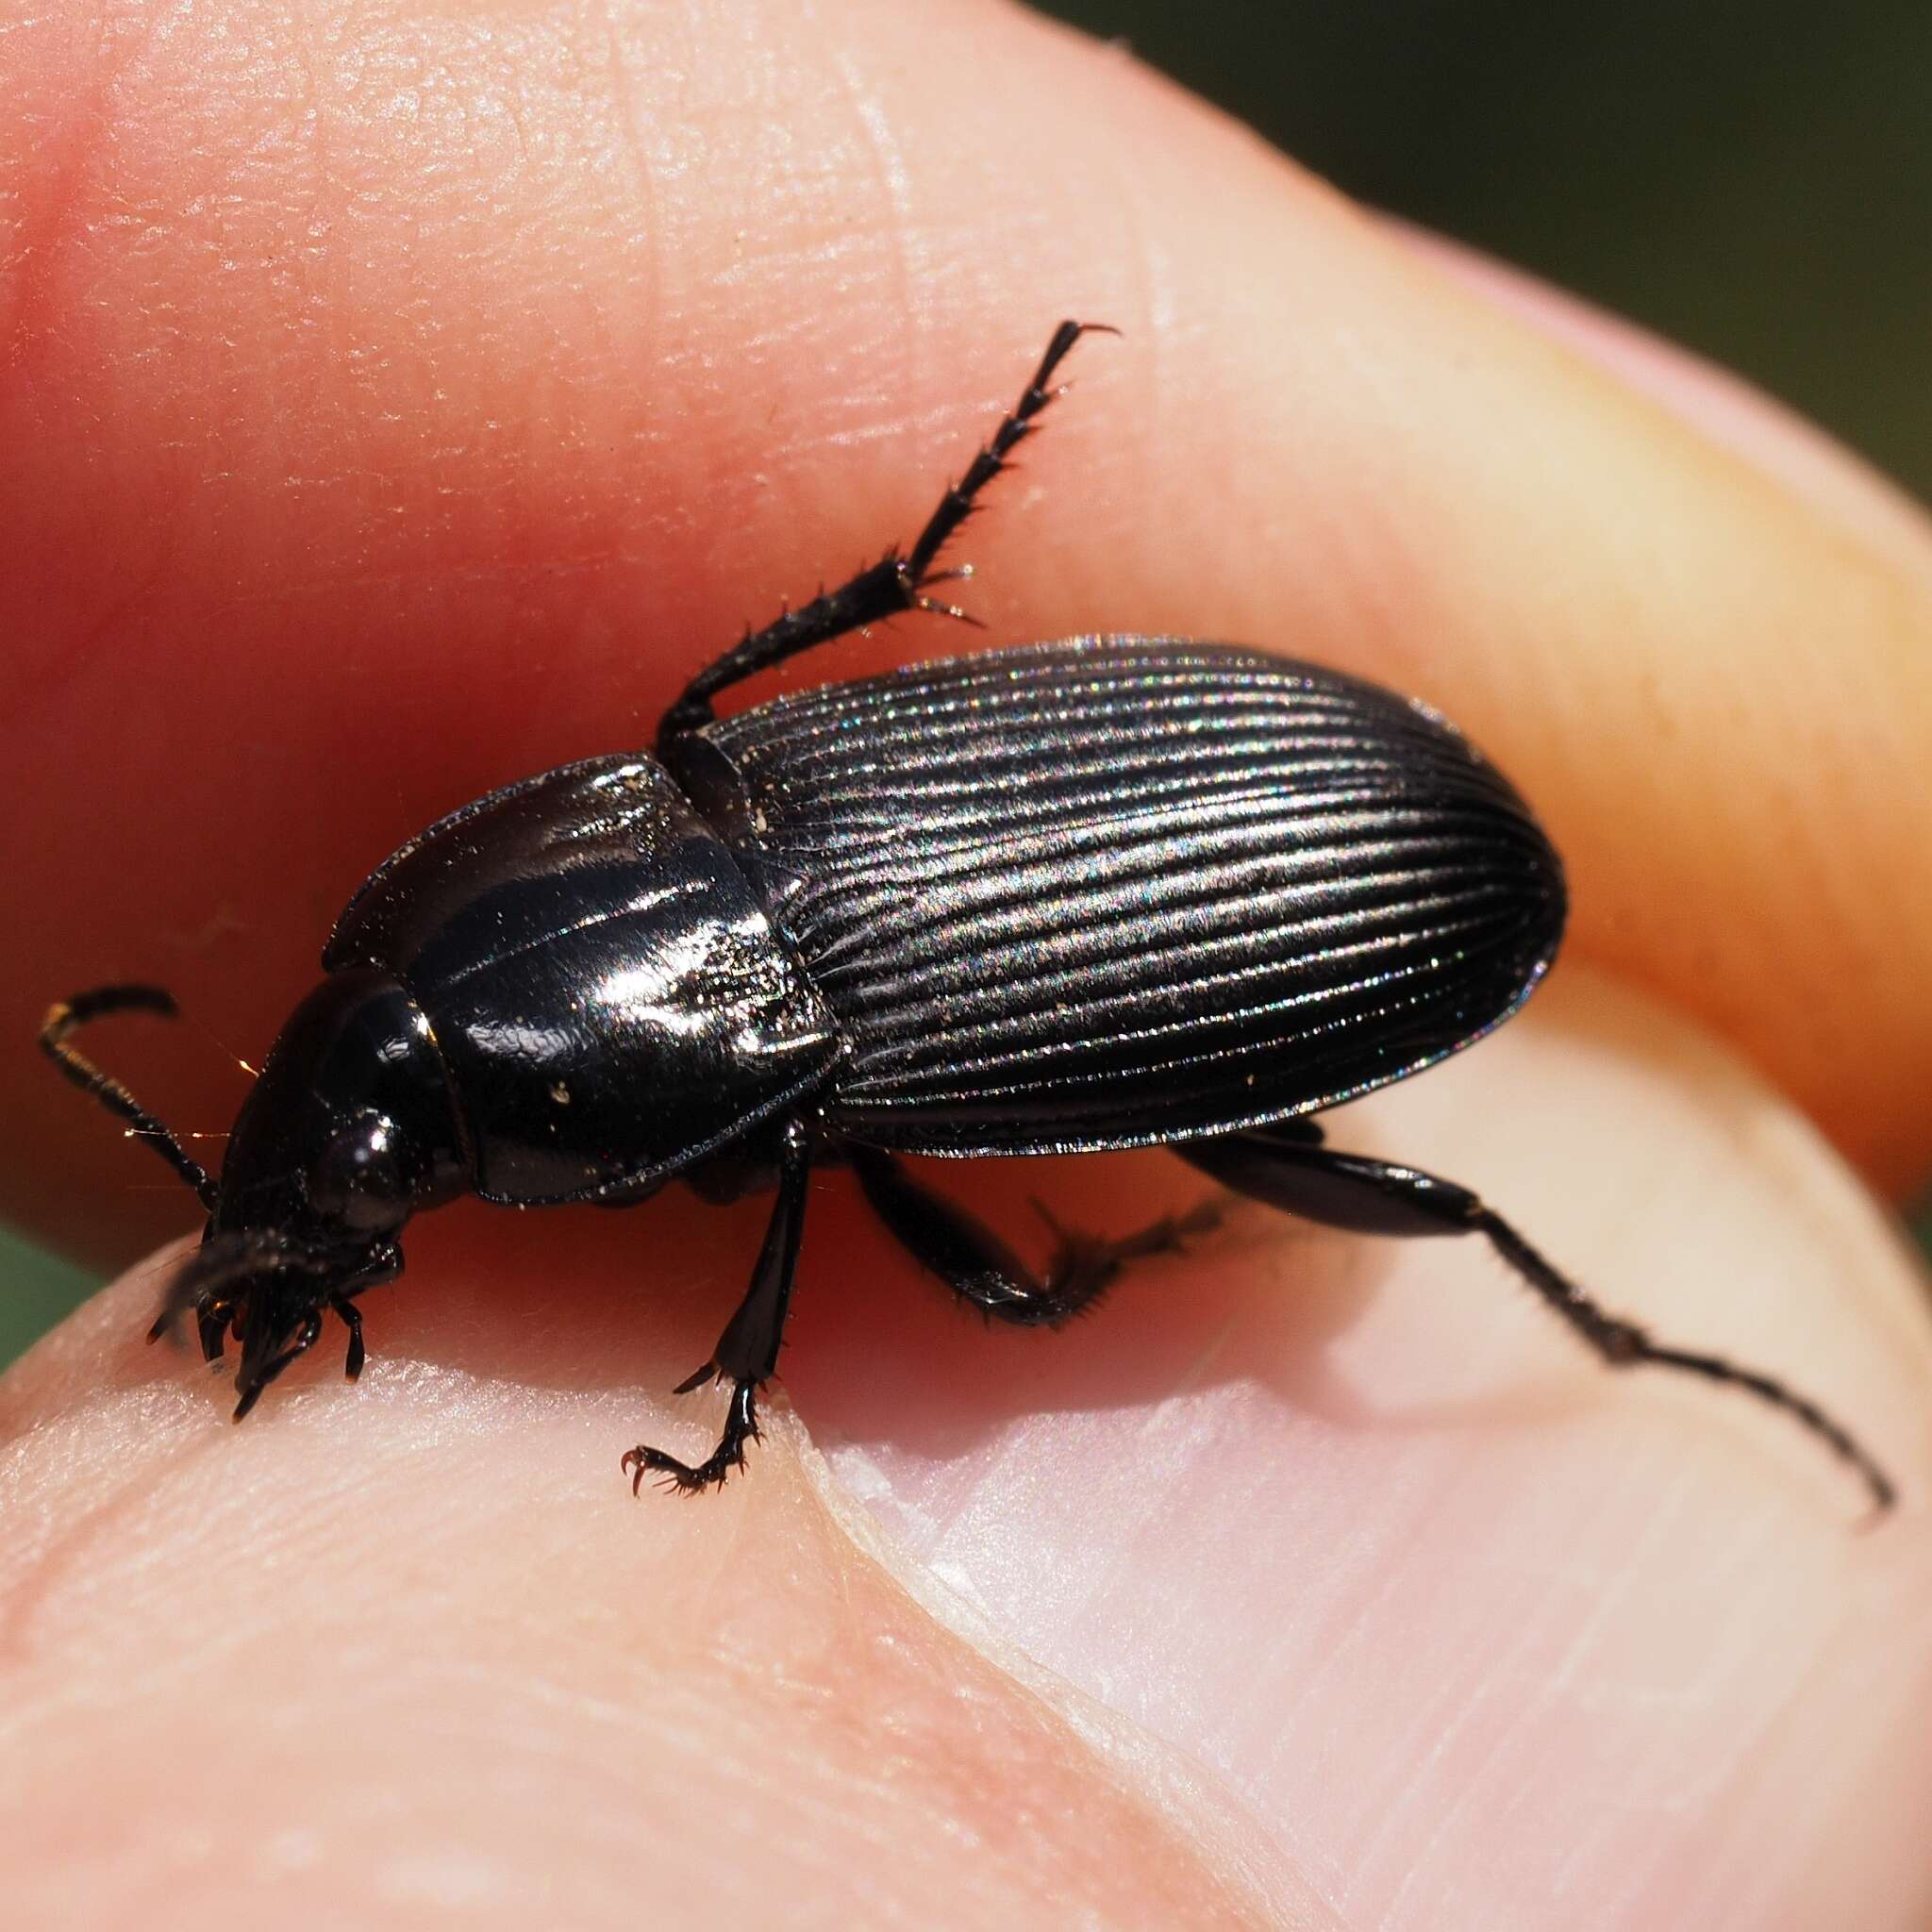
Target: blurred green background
{"points": [[1754, 181]]}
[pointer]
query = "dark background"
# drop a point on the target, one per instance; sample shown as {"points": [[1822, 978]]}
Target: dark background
{"points": [[1754, 181]]}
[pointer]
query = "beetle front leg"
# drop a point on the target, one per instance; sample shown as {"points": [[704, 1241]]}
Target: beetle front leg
{"points": [[385, 1268], [895, 584], [747, 1352], [979, 1267], [1285, 1168]]}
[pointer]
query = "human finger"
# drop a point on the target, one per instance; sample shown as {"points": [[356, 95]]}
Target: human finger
{"points": [[578, 370], [1313, 1580]]}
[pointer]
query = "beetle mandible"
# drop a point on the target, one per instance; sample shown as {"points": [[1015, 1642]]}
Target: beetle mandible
{"points": [[1105, 893]]}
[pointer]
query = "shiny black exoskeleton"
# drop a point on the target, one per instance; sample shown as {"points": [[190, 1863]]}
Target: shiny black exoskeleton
{"points": [[1098, 894]]}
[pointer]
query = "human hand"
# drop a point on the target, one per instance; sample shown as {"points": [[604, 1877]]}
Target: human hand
{"points": [[406, 402]]}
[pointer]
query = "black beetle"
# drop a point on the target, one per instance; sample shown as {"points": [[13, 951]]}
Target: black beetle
{"points": [[1106, 894]]}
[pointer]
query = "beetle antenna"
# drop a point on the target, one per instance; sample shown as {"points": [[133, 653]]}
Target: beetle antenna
{"points": [[66, 1017]]}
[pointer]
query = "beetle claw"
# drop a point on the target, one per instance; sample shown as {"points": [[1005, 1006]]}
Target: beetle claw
{"points": [[955, 611], [679, 1477], [741, 1427]]}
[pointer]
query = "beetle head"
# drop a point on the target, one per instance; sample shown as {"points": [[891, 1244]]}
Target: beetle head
{"points": [[348, 1131]]}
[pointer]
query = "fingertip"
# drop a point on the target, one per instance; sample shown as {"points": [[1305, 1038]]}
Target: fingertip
{"points": [[1299, 1500], [501, 1687]]}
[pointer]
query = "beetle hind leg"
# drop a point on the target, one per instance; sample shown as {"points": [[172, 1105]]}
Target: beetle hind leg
{"points": [[980, 1268], [747, 1352], [1288, 1168]]}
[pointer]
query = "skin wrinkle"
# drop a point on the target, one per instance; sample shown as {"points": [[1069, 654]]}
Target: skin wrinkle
{"points": [[642, 175], [40, 237], [888, 170], [46, 1564], [46, 242], [1189, 1797]]}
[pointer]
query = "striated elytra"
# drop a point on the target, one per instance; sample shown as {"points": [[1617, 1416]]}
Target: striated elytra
{"points": [[1101, 893]]}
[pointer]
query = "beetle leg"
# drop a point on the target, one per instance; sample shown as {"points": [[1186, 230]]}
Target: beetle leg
{"points": [[978, 1265], [351, 1318], [747, 1352], [1349, 1190], [896, 583], [386, 1267]]}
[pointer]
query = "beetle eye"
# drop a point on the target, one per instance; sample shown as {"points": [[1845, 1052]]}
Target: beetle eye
{"points": [[360, 1178]]}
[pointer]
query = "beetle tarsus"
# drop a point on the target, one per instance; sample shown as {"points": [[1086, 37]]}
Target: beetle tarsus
{"points": [[893, 585], [957, 504], [981, 1269], [1083, 1266], [690, 1480], [1624, 1345], [1715, 1368]]}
